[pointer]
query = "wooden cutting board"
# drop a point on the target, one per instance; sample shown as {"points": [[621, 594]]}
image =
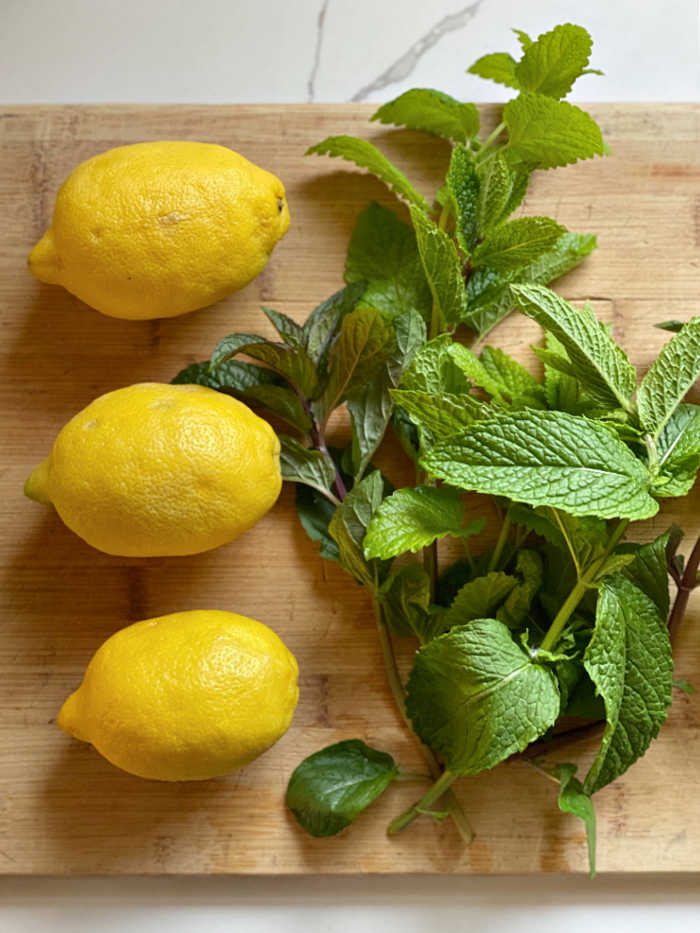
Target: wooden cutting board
{"points": [[63, 808]]}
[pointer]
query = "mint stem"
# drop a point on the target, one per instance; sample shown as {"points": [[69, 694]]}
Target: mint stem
{"points": [[685, 587], [501, 542], [440, 787]]}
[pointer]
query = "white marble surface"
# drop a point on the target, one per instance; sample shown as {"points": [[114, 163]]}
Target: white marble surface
{"points": [[333, 50]]}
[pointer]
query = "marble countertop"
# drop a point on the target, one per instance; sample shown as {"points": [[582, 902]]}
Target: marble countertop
{"points": [[333, 50]]}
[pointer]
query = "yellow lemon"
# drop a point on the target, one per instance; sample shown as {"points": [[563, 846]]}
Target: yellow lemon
{"points": [[153, 470], [158, 229], [186, 696]]}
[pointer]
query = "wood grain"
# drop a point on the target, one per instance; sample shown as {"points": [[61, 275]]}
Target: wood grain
{"points": [[63, 808]]}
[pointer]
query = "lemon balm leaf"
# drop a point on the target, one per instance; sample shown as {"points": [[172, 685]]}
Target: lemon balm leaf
{"points": [[546, 133], [330, 788], [498, 66], [552, 64], [432, 112], [365, 155]]}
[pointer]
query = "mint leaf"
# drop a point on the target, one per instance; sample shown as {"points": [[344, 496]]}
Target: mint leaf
{"points": [[494, 193], [517, 243], [315, 512], [673, 326], [672, 373], [290, 332], [434, 371], [283, 402], [600, 365], [412, 518], [678, 449], [546, 458], [433, 112], [478, 599], [323, 324], [562, 391], [523, 38], [330, 788], [439, 416], [552, 63], [232, 378], [546, 133], [383, 254], [300, 464], [442, 268], [474, 369], [463, 186], [293, 365], [498, 67], [648, 571], [629, 660], [475, 696], [574, 800], [515, 610], [349, 524], [367, 156], [405, 596], [513, 380]]}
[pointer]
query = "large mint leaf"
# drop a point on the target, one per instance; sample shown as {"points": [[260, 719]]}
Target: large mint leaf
{"points": [[517, 243], [546, 458], [383, 254], [330, 788], [673, 372], [629, 660], [364, 154], [574, 800], [479, 598], [299, 464], [545, 133], [349, 524], [476, 697], [442, 268], [600, 365], [552, 63], [463, 186], [412, 518], [498, 67], [439, 416], [433, 112], [323, 324]]}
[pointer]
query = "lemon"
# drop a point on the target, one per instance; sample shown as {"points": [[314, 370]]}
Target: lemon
{"points": [[158, 229], [153, 470], [187, 696]]}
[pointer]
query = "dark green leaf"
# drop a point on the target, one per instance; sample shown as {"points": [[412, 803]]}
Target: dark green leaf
{"points": [[673, 326], [283, 402], [323, 324], [463, 186], [513, 380], [433, 112], [290, 332], [516, 609], [648, 571], [349, 524], [573, 799], [232, 378], [299, 464], [315, 513], [405, 602]]}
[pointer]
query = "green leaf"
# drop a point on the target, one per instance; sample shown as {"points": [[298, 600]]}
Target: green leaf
{"points": [[330, 788], [629, 660], [562, 391], [364, 154], [516, 609], [513, 380], [383, 254], [300, 464], [552, 63], [232, 378], [573, 799], [474, 369], [601, 366], [517, 243], [498, 67], [323, 324], [293, 365], [545, 133], [475, 697], [679, 439], [433, 112], [442, 267], [673, 326], [684, 686], [439, 416], [494, 193], [315, 512], [672, 373], [463, 186], [405, 596], [414, 517], [546, 458], [434, 371], [349, 524], [283, 402], [479, 598], [366, 340], [523, 38], [648, 571], [290, 332]]}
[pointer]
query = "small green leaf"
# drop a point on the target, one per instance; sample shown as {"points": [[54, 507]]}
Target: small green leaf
{"points": [[673, 372], [629, 660], [498, 67], [463, 186], [412, 518], [434, 371], [330, 788], [405, 598], [494, 193], [283, 402], [439, 416], [479, 598], [290, 332], [349, 524], [514, 381], [293, 365], [315, 512], [433, 112], [442, 267], [545, 133], [475, 697], [516, 609], [364, 154], [573, 799], [673, 326], [684, 686], [300, 464], [323, 324], [552, 63], [231, 378], [546, 458], [523, 38], [517, 243], [474, 369]]}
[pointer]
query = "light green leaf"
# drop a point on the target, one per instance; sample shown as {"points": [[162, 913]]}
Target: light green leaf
{"points": [[600, 365], [323, 324], [463, 187], [349, 524], [479, 598], [433, 112], [629, 660], [330, 788], [364, 154], [562, 391], [673, 372], [475, 697], [300, 464], [494, 193], [552, 63], [517, 243], [290, 332], [498, 67], [514, 381], [283, 402], [546, 458], [439, 416], [474, 369], [383, 254], [433, 370], [545, 133], [405, 596], [442, 267], [679, 439], [574, 800], [523, 38]]}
